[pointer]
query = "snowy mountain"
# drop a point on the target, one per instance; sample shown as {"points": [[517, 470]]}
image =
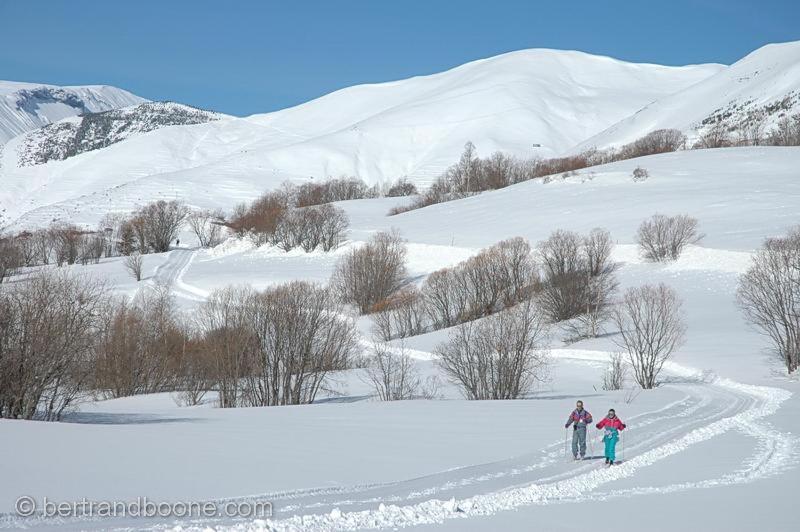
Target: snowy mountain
{"points": [[764, 83], [27, 106], [380, 132], [93, 131]]}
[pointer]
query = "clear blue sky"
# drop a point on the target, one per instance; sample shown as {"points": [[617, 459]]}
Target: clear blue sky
{"points": [[243, 57]]}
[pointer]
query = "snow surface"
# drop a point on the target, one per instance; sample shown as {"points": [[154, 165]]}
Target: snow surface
{"points": [[714, 448]]}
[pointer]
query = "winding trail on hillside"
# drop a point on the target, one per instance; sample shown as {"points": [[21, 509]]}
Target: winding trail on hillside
{"points": [[171, 272]]}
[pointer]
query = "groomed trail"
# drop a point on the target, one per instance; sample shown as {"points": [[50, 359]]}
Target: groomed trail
{"points": [[710, 407]]}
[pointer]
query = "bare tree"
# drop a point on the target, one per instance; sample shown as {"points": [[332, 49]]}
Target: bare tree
{"points": [[500, 357], [229, 343], [10, 257], [160, 223], [207, 226], [134, 263], [663, 238], [769, 296], [393, 374], [651, 328], [615, 372], [141, 345], [371, 273]]}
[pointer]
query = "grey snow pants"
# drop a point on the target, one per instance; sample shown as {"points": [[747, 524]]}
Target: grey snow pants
{"points": [[579, 438]]}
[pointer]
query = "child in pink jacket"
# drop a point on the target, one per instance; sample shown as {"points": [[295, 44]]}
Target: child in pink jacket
{"points": [[612, 425]]}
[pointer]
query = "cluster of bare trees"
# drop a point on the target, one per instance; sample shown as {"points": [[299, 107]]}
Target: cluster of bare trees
{"points": [[63, 337], [369, 274], [651, 327], [274, 347], [152, 228], [663, 238], [578, 280], [472, 174], [274, 219], [500, 357], [496, 278], [769, 296], [140, 346], [48, 338], [751, 130], [58, 244], [149, 229]]}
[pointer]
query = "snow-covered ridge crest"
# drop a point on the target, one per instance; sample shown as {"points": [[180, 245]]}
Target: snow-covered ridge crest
{"points": [[764, 85], [27, 106], [93, 131]]}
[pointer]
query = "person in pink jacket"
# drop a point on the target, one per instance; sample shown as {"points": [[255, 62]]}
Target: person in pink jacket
{"points": [[613, 426]]}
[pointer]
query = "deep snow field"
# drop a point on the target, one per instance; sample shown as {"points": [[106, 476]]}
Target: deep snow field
{"points": [[713, 448]]}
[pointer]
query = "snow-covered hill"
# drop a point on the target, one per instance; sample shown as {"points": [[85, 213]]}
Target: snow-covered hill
{"points": [[766, 81], [28, 106], [414, 127]]}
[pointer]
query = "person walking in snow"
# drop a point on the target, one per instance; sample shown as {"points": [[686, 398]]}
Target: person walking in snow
{"points": [[613, 426], [579, 419]]}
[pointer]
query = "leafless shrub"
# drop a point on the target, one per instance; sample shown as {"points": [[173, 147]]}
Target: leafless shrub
{"points": [[401, 187], [614, 374], [714, 136], [48, 330], [501, 357], [663, 238], [207, 226], [640, 174], [371, 273], [134, 263], [300, 336], [651, 328], [496, 278], [769, 296], [11, 257], [401, 315], [393, 374], [141, 346], [786, 132], [228, 342], [161, 221], [566, 276]]}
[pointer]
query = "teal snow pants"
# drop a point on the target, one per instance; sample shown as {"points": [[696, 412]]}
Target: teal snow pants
{"points": [[610, 439]]}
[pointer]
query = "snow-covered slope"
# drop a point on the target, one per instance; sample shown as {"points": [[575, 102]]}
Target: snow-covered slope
{"points": [[27, 106], [766, 81], [414, 127]]}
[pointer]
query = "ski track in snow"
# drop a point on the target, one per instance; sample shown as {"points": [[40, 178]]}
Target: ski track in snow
{"points": [[744, 406]]}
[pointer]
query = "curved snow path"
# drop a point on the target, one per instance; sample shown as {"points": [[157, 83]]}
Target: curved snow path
{"points": [[171, 272], [543, 477]]}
